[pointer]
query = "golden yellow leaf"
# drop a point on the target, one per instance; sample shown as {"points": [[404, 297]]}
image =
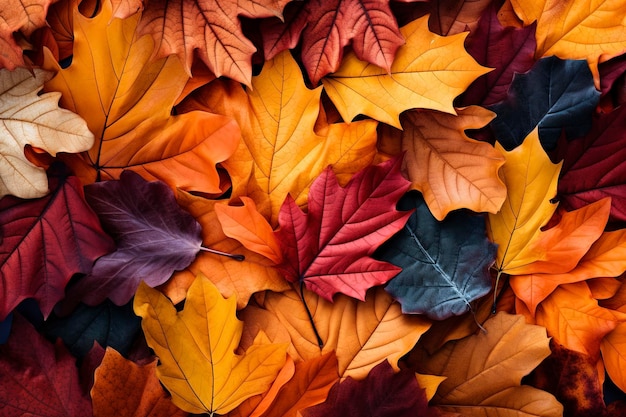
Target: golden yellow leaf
{"points": [[429, 71], [531, 180], [283, 149], [430, 383], [196, 349], [484, 371], [30, 119], [594, 30], [451, 170]]}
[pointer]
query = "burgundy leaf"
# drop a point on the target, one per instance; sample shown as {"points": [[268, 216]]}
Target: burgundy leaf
{"points": [[154, 238], [329, 248], [38, 378], [44, 242]]}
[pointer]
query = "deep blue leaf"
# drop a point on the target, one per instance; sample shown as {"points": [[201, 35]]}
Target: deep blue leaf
{"points": [[555, 94], [5, 328], [445, 265]]}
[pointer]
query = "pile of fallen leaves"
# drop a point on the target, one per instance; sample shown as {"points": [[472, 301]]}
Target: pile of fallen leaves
{"points": [[312, 208]]}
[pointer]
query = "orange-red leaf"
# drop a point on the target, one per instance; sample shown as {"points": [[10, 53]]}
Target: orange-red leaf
{"points": [[614, 355]]}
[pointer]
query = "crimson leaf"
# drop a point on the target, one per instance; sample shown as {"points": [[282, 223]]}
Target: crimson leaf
{"points": [[445, 265], [329, 248], [154, 238], [44, 242]]}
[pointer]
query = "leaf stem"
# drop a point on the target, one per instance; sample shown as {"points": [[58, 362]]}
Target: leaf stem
{"points": [[237, 257], [320, 342], [495, 292]]}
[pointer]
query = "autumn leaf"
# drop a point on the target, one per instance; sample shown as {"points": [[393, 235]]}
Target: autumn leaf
{"points": [[613, 354], [38, 378], [327, 27], [531, 180], [445, 265], [36, 120], [224, 272], [555, 95], [22, 16], [328, 249], [154, 238], [484, 371], [283, 149], [363, 334], [209, 28], [37, 257], [383, 393], [589, 29], [429, 71], [452, 17], [196, 349], [125, 389], [451, 170], [249, 227], [127, 101]]}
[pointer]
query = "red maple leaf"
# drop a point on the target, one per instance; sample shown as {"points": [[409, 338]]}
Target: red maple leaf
{"points": [[328, 249]]}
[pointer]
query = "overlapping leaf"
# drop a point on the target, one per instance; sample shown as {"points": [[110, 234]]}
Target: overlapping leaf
{"points": [[429, 72], [326, 27], [328, 249], [613, 347], [44, 242], [154, 238], [196, 349], [31, 119], [286, 142], [127, 100], [452, 17]]}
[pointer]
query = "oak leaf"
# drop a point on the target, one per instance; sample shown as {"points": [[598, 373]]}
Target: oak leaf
{"points": [[19, 16], [207, 27], [429, 71], [38, 378], [363, 334], [445, 265], [484, 371], [127, 101], [286, 142], [589, 29], [125, 389], [329, 248], [451, 170], [154, 238], [196, 349], [326, 27], [44, 242], [36, 120], [224, 272]]}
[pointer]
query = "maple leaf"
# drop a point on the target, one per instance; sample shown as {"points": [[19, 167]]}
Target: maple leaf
{"points": [[589, 29], [39, 378], [154, 238], [555, 95], [484, 370], [383, 393], [327, 27], [445, 265], [127, 101], [286, 142], [197, 362], [123, 388], [363, 334], [59, 235], [210, 28], [328, 249], [225, 272], [36, 120], [592, 167], [508, 50], [22, 16], [429, 71], [451, 170]]}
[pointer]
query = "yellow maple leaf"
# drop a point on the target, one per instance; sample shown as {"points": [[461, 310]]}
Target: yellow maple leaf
{"points": [[429, 71], [29, 119], [196, 349]]}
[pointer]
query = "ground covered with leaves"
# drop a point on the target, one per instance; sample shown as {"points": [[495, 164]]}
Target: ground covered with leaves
{"points": [[312, 208]]}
